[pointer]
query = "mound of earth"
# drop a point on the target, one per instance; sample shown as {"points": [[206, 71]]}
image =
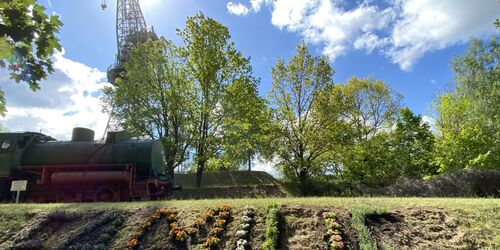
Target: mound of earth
{"points": [[226, 179], [228, 184], [418, 228]]}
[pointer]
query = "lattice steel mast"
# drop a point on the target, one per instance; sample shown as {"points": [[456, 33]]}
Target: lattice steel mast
{"points": [[131, 30]]}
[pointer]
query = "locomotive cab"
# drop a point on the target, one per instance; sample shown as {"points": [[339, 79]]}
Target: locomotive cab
{"points": [[12, 146]]}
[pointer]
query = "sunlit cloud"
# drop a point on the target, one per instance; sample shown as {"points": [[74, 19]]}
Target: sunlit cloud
{"points": [[70, 97], [403, 31]]}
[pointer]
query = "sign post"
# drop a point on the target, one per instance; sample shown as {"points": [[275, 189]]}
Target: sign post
{"points": [[18, 186]]}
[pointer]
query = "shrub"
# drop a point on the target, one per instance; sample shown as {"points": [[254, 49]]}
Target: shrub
{"points": [[212, 242], [178, 234], [111, 223], [272, 232], [220, 223], [216, 231], [139, 232], [221, 215], [191, 231], [245, 227], [171, 218], [241, 244], [333, 233]]}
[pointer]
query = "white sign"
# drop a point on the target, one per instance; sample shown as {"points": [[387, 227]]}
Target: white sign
{"points": [[18, 185]]}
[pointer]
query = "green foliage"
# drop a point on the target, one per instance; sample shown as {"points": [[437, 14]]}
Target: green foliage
{"points": [[27, 40], [372, 161], [414, 143], [370, 109], [272, 232], [302, 135], [212, 64], [469, 118], [358, 223], [246, 129], [153, 98]]}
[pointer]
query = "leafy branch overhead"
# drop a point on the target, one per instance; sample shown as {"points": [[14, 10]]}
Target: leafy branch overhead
{"points": [[27, 41]]}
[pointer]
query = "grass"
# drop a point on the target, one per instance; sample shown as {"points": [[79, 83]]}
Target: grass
{"points": [[370, 203]]}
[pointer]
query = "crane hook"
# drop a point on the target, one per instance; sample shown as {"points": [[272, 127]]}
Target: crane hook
{"points": [[104, 5]]}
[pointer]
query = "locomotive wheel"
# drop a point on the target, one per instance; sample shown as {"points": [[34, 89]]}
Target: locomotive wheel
{"points": [[104, 194], [66, 195]]}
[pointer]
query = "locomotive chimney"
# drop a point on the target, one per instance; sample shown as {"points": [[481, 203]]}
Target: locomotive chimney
{"points": [[82, 134]]}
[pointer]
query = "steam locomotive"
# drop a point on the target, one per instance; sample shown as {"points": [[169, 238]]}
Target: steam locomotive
{"points": [[82, 169]]}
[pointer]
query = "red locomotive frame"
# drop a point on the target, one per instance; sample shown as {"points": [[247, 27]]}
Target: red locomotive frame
{"points": [[91, 182]]}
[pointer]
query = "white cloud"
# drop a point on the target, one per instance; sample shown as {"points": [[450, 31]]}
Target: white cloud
{"points": [[257, 4], [237, 9], [402, 30], [68, 98], [266, 166], [426, 25], [432, 123]]}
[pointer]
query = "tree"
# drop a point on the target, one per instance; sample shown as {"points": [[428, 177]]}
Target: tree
{"points": [[414, 143], [212, 64], [246, 130], [302, 134], [469, 116], [153, 98], [455, 143], [371, 106], [27, 41], [370, 109]]}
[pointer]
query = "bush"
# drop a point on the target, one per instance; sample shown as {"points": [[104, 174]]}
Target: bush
{"points": [[272, 232], [462, 183]]}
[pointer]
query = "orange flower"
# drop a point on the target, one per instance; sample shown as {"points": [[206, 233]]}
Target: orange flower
{"points": [[178, 234], [191, 230], [174, 225], [216, 231], [171, 218], [211, 242], [137, 234], [132, 243], [224, 215], [146, 225], [220, 223]]}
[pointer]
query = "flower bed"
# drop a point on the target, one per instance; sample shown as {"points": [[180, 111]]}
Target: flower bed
{"points": [[220, 217], [243, 233], [333, 234], [111, 222], [138, 234]]}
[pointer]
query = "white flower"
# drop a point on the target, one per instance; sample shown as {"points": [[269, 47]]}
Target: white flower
{"points": [[246, 219], [248, 212], [241, 234], [242, 243], [245, 226]]}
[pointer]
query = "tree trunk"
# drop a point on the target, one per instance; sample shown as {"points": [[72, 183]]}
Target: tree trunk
{"points": [[249, 161], [201, 164], [170, 170], [303, 183], [199, 172]]}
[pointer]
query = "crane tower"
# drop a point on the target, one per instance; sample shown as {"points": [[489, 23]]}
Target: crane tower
{"points": [[131, 30]]}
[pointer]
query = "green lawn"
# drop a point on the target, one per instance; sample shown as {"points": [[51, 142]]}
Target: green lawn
{"points": [[373, 203]]}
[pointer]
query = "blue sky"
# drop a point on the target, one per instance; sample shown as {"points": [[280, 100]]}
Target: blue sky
{"points": [[408, 44]]}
